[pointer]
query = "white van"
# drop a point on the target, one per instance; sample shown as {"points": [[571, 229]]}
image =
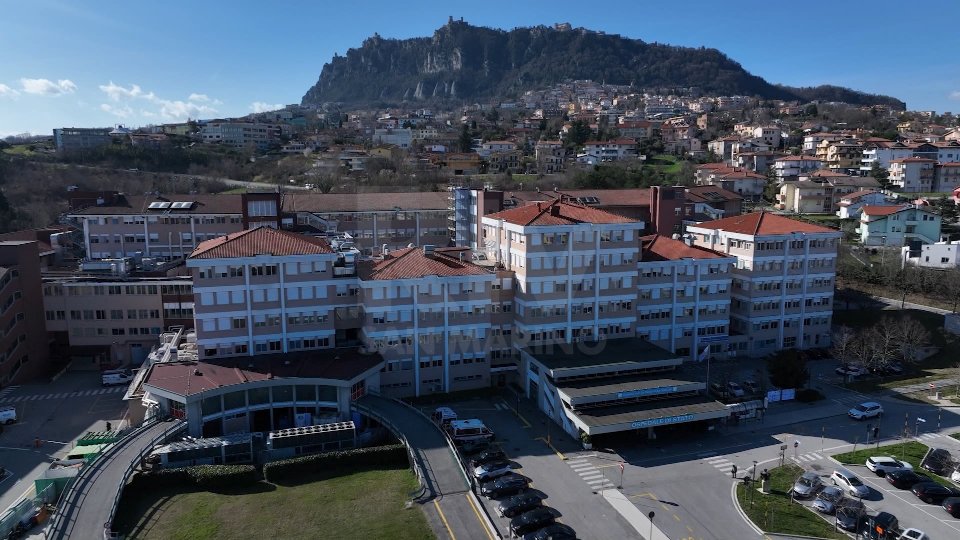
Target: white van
{"points": [[8, 414], [443, 416], [116, 376], [469, 430]]}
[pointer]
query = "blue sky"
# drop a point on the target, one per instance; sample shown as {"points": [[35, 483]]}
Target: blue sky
{"points": [[86, 63]]}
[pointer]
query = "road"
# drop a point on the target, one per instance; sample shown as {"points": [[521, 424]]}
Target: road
{"points": [[186, 177]]}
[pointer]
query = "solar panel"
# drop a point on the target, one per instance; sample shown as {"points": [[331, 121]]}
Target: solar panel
{"points": [[182, 204], [159, 205]]}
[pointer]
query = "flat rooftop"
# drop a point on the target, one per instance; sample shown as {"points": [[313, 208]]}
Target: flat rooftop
{"points": [[592, 388], [628, 414], [597, 353]]}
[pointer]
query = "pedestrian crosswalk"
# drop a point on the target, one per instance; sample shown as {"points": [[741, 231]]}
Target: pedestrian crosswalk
{"points": [[7, 390], [61, 395], [720, 463], [501, 406], [810, 456], [928, 436], [590, 473]]}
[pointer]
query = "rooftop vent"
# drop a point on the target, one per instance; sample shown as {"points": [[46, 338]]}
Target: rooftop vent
{"points": [[428, 250]]}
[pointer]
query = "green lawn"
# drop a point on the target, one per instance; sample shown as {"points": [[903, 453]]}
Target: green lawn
{"points": [[912, 452], [361, 505], [776, 513], [955, 436]]}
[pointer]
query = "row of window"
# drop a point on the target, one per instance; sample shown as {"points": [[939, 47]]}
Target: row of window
{"points": [[115, 314], [165, 220]]}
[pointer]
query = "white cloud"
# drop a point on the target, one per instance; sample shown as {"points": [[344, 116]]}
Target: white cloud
{"points": [[124, 111], [260, 106], [46, 87], [195, 106], [6, 91], [955, 95]]}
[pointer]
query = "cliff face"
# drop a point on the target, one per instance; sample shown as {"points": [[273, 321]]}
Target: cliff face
{"points": [[465, 62]]}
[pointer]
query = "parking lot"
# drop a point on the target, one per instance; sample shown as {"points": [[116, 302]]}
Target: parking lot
{"points": [[49, 418], [576, 502]]}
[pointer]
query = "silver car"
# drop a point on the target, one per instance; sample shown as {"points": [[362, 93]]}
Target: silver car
{"points": [[828, 499], [807, 485]]}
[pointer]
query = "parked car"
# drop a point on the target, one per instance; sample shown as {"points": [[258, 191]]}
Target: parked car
{"points": [[734, 389], [937, 461], [472, 447], [850, 370], [828, 499], [508, 484], [807, 485], [531, 521], [933, 493], [849, 518], [8, 414], [492, 469], [718, 389], [893, 368], [752, 387], [518, 504], [556, 531], [487, 457], [881, 465], [882, 526], [905, 478], [952, 506], [913, 534], [849, 483], [869, 409]]}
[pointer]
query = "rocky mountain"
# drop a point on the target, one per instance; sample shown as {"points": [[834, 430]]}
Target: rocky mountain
{"points": [[464, 62]]}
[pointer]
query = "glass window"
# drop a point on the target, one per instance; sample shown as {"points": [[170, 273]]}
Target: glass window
{"points": [[306, 393], [282, 393], [210, 405], [327, 393], [234, 400], [259, 396]]}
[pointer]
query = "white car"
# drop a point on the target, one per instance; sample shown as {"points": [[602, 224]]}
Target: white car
{"points": [[493, 469], [869, 409], [8, 414], [913, 534], [734, 389], [850, 483], [881, 465]]}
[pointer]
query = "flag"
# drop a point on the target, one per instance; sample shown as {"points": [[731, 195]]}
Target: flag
{"points": [[704, 354]]}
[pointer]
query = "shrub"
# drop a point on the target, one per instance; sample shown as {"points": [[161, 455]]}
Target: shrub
{"points": [[374, 457], [808, 395], [207, 477]]}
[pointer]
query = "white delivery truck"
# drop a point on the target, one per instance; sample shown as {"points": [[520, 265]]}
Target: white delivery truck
{"points": [[114, 377]]}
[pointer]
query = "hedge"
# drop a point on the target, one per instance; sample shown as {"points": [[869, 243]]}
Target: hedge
{"points": [[208, 477], [373, 457]]}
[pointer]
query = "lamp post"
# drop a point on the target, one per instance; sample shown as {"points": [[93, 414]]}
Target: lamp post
{"points": [[650, 515]]}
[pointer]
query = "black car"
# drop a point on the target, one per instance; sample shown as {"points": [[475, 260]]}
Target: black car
{"points": [[952, 506], [508, 484], [905, 478], [938, 461], [849, 518], [518, 504], [557, 531], [487, 457], [881, 526], [933, 493], [530, 521]]}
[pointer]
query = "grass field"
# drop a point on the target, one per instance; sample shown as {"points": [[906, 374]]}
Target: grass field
{"points": [[361, 505], [776, 513], [912, 452]]}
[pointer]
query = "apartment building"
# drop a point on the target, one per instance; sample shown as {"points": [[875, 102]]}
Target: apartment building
{"points": [[615, 150], [373, 219], [243, 134], [78, 139], [898, 225], [792, 167], [821, 191], [549, 156], [23, 342], [913, 175], [574, 267], [783, 281], [170, 227], [107, 321]]}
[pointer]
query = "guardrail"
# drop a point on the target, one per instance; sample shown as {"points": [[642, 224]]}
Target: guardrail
{"points": [[166, 434], [406, 443]]}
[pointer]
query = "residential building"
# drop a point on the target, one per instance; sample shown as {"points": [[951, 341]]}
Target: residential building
{"points": [[723, 146], [811, 141], [110, 321], [489, 147], [636, 129], [399, 137], [896, 226], [758, 162], [747, 184], [77, 139], [549, 156], [615, 150], [372, 220], [254, 135], [913, 175], [505, 162], [23, 342], [792, 167], [771, 135], [852, 204], [820, 192], [841, 156], [940, 255], [782, 284], [882, 153], [169, 227], [946, 177]]}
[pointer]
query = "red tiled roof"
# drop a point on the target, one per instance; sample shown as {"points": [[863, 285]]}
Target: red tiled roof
{"points": [[798, 158], [735, 173], [657, 247], [949, 164], [364, 202], [189, 378], [878, 210], [558, 212], [409, 263], [760, 223], [858, 194], [260, 241]]}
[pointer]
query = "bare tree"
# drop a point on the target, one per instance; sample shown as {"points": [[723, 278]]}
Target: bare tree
{"points": [[886, 341], [862, 348], [843, 340], [950, 286], [913, 336]]}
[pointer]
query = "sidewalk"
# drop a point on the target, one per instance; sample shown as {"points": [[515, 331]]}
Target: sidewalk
{"points": [[785, 413]]}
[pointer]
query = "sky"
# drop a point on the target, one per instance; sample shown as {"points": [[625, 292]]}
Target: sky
{"points": [[84, 63]]}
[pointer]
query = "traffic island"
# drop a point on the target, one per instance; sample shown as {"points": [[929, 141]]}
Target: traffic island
{"points": [[776, 512], [912, 452]]}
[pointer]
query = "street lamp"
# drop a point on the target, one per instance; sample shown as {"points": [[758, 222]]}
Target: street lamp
{"points": [[650, 515], [753, 474]]}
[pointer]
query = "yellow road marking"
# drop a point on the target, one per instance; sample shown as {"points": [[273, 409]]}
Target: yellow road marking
{"points": [[689, 529], [443, 518], [676, 517], [559, 454], [647, 495], [664, 507], [480, 519]]}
